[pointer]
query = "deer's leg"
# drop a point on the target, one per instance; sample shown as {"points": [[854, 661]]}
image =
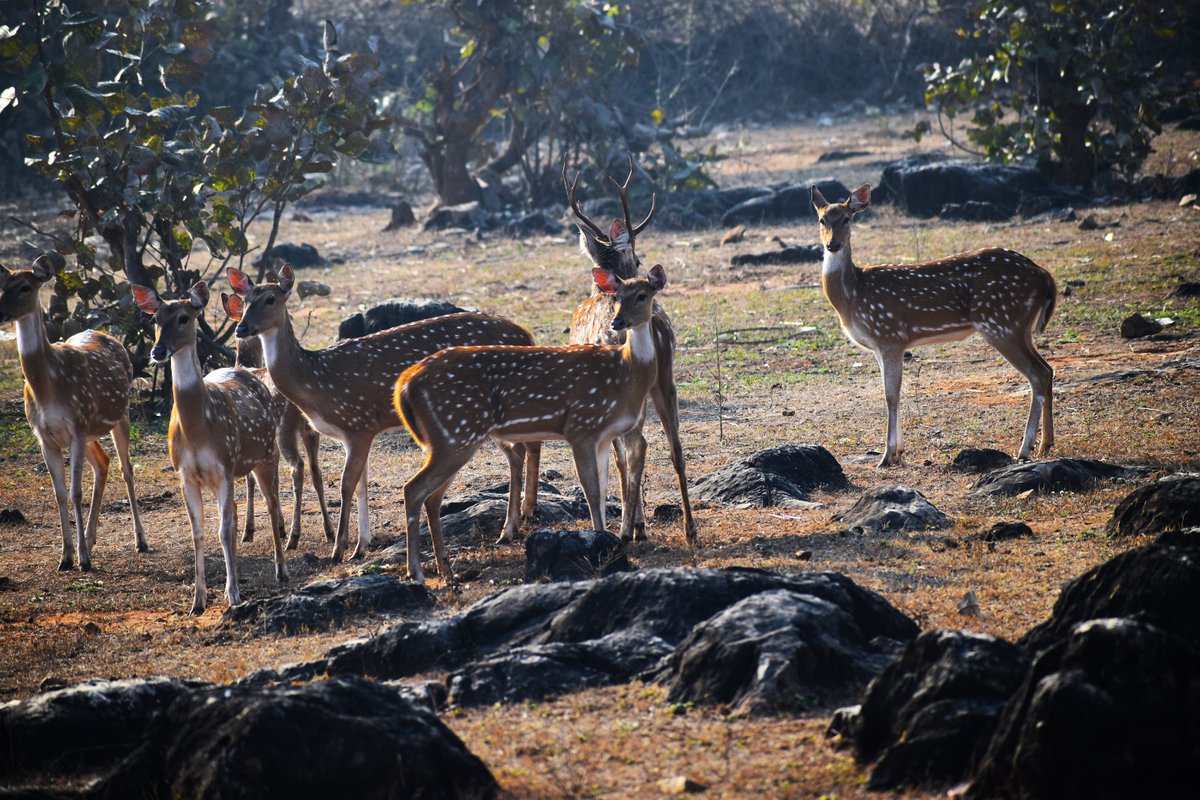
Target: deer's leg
{"points": [[435, 476], [268, 479], [515, 453], [228, 534], [533, 460], [352, 470], [591, 464], [364, 517], [891, 368], [194, 501], [120, 435], [433, 513], [248, 535], [1021, 353], [56, 466], [312, 447], [99, 461], [620, 448], [633, 522], [288, 430], [78, 456], [666, 403]]}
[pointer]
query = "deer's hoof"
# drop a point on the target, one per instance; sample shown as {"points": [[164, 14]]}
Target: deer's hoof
{"points": [[85, 566], [142, 547], [66, 564], [292, 543], [197, 609], [248, 536], [281, 576]]}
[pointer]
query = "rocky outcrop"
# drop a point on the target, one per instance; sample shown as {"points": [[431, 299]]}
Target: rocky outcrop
{"points": [[780, 476], [1053, 475], [325, 604], [1169, 504], [892, 508]]}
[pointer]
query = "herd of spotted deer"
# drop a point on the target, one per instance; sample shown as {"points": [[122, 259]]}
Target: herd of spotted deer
{"points": [[456, 380]]}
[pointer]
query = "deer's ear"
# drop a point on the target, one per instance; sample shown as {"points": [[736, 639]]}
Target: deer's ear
{"points": [[198, 294], [5, 271], [860, 198], [818, 199], [657, 277], [234, 306], [47, 265], [607, 282], [239, 280], [287, 279], [146, 298]]}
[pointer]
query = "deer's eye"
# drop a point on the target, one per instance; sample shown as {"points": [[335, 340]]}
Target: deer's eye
{"points": [[270, 301], [183, 320], [25, 289], [641, 298]]}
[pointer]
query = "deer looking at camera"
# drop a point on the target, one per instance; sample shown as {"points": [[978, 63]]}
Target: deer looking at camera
{"points": [[592, 324], [888, 309], [222, 428], [345, 390], [293, 426], [586, 394], [75, 392]]}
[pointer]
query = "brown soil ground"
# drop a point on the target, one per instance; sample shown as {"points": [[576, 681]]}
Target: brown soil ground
{"points": [[758, 389]]}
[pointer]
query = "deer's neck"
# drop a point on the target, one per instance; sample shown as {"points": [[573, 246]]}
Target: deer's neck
{"points": [[641, 357], [189, 394], [839, 277], [283, 356], [36, 354]]}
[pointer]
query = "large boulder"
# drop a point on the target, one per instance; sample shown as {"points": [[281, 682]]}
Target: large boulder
{"points": [[1053, 475], [541, 640], [929, 715], [893, 508], [344, 737], [573, 555], [324, 604], [789, 202], [780, 476], [1169, 504], [980, 459]]}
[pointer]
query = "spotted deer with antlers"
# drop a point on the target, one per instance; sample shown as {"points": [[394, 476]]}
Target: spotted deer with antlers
{"points": [[591, 323], [345, 390], [222, 428], [75, 392], [293, 427], [585, 394], [888, 309]]}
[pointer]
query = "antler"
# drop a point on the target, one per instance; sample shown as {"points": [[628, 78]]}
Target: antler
{"points": [[623, 191], [570, 187]]}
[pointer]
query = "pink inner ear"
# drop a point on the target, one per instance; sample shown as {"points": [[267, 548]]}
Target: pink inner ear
{"points": [[286, 277], [614, 232], [607, 282], [145, 298], [233, 306], [239, 281]]}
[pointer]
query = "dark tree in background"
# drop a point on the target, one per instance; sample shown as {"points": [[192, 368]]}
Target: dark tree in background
{"points": [[150, 166], [1076, 86]]}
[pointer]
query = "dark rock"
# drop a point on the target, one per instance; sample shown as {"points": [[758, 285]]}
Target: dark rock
{"points": [[893, 508], [924, 184], [537, 223], [393, 313], [1054, 475], [1186, 289], [841, 155], [542, 640], [12, 516], [781, 476], [1169, 504], [1158, 583], [975, 211], [930, 714], [775, 652], [1110, 711], [298, 256], [788, 202], [573, 555], [1003, 531], [793, 254], [980, 459], [1135, 326], [1187, 183], [323, 604], [402, 216], [471, 216], [667, 512], [78, 730]]}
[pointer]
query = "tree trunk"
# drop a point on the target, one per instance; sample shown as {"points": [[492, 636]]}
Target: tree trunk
{"points": [[1079, 163], [452, 181]]}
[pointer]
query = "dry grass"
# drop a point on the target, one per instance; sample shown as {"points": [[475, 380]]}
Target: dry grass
{"points": [[127, 616]]}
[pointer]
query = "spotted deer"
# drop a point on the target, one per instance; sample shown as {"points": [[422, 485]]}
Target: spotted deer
{"points": [[293, 426], [586, 394], [222, 428], [345, 390], [75, 392], [592, 324], [887, 309]]}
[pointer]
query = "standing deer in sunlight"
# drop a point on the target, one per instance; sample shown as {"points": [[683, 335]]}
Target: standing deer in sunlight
{"points": [[293, 426], [585, 394], [75, 392], [222, 428], [345, 389], [592, 324], [889, 309]]}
